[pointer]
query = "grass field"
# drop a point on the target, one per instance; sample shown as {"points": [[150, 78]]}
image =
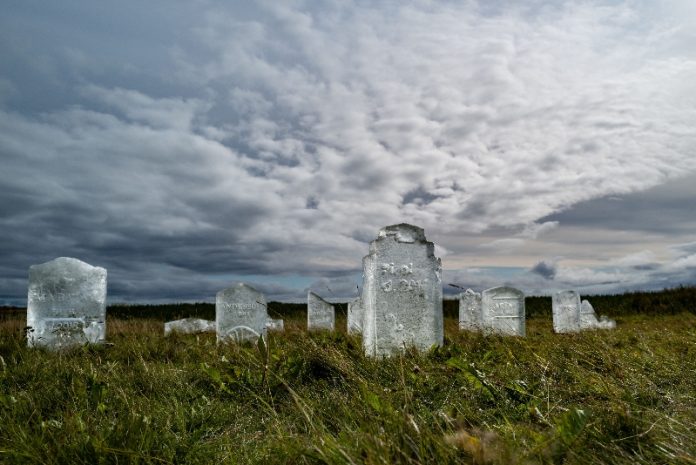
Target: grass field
{"points": [[622, 396]]}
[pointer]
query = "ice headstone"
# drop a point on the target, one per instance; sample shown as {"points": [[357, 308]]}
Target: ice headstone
{"points": [[189, 326], [503, 311], [566, 311], [402, 292], [320, 313], [275, 324], [66, 304], [240, 314], [588, 318], [355, 316], [470, 317]]}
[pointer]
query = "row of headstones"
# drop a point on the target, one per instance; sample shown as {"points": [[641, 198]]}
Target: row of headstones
{"points": [[400, 304], [501, 310]]}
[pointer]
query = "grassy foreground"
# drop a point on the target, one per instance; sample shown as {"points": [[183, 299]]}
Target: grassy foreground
{"points": [[622, 396]]}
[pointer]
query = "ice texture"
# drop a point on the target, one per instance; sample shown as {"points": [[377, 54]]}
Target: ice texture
{"points": [[402, 292], [588, 318], [355, 316], [503, 311], [66, 304], [320, 313], [189, 326], [470, 317], [240, 314], [566, 311], [275, 325]]}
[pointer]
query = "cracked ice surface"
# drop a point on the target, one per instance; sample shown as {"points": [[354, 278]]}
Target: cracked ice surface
{"points": [[66, 304]]}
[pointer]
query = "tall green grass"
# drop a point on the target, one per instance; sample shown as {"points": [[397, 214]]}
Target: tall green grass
{"points": [[622, 396]]}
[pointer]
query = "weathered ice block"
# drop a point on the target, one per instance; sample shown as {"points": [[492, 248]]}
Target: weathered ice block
{"points": [[588, 318], [355, 316], [320, 313], [189, 326], [66, 304], [275, 324], [470, 317], [402, 292], [503, 311], [240, 314], [566, 312]]}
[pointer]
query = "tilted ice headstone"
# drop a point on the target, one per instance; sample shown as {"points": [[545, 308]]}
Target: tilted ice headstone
{"points": [[275, 324], [355, 316], [588, 318], [503, 311], [320, 313], [566, 311], [402, 292], [66, 304], [189, 326], [240, 314], [470, 310]]}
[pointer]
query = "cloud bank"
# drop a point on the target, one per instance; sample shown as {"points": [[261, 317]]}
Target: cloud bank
{"points": [[275, 140]]}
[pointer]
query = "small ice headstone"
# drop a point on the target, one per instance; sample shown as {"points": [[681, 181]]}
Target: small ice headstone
{"points": [[588, 318], [240, 314], [503, 311], [189, 326], [66, 304], [320, 313], [566, 312], [470, 310], [355, 316], [275, 324], [402, 292]]}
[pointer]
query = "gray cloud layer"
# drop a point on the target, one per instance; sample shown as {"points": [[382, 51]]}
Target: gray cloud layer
{"points": [[181, 146]]}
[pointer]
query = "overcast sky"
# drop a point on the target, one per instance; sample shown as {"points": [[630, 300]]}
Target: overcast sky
{"points": [[188, 145]]}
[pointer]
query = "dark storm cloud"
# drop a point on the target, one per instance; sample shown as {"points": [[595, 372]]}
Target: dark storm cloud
{"points": [[662, 209], [545, 269], [182, 144]]}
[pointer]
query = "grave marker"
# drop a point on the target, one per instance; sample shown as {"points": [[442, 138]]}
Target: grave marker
{"points": [[240, 314], [566, 312], [503, 311], [189, 326], [588, 318], [355, 316], [320, 313], [402, 292], [470, 317], [66, 304]]}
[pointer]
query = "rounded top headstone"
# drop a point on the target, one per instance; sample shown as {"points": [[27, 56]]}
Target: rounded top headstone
{"points": [[238, 289], [403, 232], [72, 265]]}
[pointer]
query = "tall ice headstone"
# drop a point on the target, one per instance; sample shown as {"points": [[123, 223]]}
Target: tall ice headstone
{"points": [[566, 311], [503, 311], [240, 314], [320, 313], [402, 292], [470, 310], [66, 304]]}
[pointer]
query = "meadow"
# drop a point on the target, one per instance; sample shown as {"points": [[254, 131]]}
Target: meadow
{"points": [[622, 396]]}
